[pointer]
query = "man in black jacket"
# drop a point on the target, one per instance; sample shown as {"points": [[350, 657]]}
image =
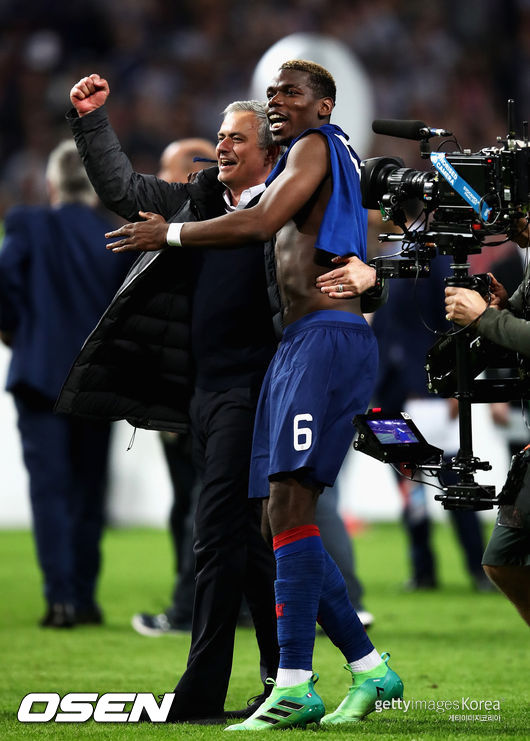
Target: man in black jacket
{"points": [[178, 161], [232, 341]]}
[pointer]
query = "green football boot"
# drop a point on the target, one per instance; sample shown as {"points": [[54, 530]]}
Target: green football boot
{"points": [[286, 707], [380, 683]]}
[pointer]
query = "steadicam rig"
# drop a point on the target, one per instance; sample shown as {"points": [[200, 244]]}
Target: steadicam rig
{"points": [[449, 209]]}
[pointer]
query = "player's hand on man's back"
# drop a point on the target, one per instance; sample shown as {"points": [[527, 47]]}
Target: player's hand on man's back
{"points": [[351, 279], [140, 236], [89, 93]]}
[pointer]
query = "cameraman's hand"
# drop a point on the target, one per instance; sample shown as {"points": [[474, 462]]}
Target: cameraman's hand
{"points": [[498, 293], [140, 236], [463, 305], [355, 277], [89, 93]]}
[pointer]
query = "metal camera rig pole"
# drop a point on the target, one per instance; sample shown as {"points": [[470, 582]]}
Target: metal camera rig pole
{"points": [[467, 494], [460, 277]]}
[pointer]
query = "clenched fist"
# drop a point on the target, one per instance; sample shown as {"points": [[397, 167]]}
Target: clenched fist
{"points": [[89, 93]]}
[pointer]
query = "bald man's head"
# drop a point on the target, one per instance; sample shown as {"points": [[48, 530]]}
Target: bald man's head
{"points": [[176, 162]]}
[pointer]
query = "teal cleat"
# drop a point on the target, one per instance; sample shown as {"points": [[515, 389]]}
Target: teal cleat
{"points": [[286, 707], [380, 684]]}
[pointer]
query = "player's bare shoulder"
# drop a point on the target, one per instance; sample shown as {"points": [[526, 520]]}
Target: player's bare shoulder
{"points": [[310, 152], [310, 167]]}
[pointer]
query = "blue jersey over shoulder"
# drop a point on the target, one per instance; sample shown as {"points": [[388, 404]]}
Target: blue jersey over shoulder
{"points": [[343, 228]]}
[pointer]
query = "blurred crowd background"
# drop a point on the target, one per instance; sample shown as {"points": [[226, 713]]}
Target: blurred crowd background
{"points": [[174, 64]]}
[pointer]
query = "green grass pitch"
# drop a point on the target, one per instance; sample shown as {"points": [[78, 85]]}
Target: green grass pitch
{"points": [[448, 645]]}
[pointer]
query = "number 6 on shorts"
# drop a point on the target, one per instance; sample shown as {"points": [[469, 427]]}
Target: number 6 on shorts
{"points": [[303, 436]]}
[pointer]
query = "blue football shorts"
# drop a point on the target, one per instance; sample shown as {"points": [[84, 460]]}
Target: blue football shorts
{"points": [[321, 376]]}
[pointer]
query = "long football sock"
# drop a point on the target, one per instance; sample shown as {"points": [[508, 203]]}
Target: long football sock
{"points": [[337, 615], [299, 575]]}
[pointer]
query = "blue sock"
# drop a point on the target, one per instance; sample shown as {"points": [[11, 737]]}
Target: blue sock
{"points": [[299, 574], [337, 616]]}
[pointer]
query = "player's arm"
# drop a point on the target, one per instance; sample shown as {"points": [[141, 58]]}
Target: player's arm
{"points": [[306, 168]]}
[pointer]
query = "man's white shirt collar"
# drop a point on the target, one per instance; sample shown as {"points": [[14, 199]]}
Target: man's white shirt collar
{"points": [[246, 196]]}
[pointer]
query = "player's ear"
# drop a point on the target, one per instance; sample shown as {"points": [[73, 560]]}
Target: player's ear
{"points": [[325, 107]]}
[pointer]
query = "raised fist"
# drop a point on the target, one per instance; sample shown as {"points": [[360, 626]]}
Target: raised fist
{"points": [[89, 93]]}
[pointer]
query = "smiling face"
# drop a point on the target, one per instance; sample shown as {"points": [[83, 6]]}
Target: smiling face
{"points": [[242, 162], [292, 105]]}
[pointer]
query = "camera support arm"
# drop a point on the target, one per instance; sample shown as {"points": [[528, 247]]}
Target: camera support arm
{"points": [[465, 463]]}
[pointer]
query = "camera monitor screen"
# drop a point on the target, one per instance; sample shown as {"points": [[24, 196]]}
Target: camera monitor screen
{"points": [[392, 438], [392, 431]]}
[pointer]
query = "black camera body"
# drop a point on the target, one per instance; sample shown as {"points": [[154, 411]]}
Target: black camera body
{"points": [[496, 181], [465, 194]]}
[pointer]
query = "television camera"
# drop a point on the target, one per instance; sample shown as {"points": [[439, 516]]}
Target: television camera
{"points": [[466, 196], [463, 200]]}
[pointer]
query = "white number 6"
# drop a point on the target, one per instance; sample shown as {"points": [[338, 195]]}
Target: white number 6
{"points": [[303, 436]]}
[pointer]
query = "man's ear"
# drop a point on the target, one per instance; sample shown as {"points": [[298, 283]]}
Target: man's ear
{"points": [[325, 107]]}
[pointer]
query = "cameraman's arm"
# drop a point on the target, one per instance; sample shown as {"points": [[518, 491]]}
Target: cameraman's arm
{"points": [[465, 306], [505, 329]]}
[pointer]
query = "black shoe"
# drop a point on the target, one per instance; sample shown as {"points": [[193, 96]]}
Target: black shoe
{"points": [[91, 615], [59, 615], [253, 704], [205, 718], [157, 625], [200, 718], [214, 720]]}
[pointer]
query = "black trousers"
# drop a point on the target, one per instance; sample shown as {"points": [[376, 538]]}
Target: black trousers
{"points": [[232, 558], [185, 485]]}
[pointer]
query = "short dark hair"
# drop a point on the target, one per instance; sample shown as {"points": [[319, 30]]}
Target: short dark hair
{"points": [[320, 80]]}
